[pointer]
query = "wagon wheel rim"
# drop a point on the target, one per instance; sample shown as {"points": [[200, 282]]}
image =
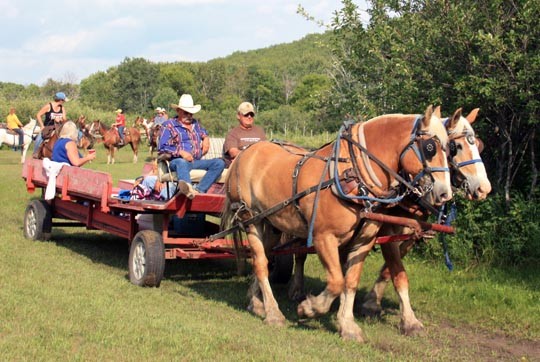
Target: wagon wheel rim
{"points": [[31, 223], [139, 261]]}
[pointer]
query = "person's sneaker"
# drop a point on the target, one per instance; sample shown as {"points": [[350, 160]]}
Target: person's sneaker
{"points": [[187, 189]]}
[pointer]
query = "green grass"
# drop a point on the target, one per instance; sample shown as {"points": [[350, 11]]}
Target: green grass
{"points": [[70, 299]]}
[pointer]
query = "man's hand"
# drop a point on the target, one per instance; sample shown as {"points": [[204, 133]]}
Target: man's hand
{"points": [[186, 156], [205, 145]]}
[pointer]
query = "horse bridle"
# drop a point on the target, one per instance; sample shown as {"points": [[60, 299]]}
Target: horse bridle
{"points": [[459, 180], [424, 149]]}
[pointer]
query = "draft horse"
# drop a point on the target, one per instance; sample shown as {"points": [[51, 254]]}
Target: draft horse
{"points": [[12, 138], [111, 139], [467, 174], [270, 191]]}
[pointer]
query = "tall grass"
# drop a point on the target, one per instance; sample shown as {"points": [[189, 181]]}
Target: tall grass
{"points": [[70, 299]]}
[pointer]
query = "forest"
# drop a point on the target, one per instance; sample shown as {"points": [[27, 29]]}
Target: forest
{"points": [[457, 54]]}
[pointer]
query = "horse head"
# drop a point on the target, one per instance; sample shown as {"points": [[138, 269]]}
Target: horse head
{"points": [[468, 171], [424, 158], [31, 128]]}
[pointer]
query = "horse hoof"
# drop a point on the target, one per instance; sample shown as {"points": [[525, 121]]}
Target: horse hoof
{"points": [[305, 309], [278, 321], [256, 307], [350, 331], [352, 336], [412, 329]]}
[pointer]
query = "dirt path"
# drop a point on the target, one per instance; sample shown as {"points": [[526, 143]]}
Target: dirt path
{"points": [[482, 345]]}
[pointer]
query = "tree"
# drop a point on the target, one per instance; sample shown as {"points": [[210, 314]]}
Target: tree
{"points": [[460, 54], [135, 84], [164, 97], [97, 90]]}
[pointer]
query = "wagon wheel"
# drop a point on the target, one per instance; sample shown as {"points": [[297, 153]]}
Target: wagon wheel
{"points": [[280, 268], [38, 220], [146, 259]]}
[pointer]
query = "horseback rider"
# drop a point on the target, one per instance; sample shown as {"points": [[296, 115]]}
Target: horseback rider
{"points": [[120, 124], [55, 115], [15, 125]]}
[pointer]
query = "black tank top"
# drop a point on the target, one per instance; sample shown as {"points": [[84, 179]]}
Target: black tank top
{"points": [[51, 115]]}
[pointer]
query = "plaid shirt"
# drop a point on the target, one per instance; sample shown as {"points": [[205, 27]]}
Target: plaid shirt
{"points": [[175, 137]]}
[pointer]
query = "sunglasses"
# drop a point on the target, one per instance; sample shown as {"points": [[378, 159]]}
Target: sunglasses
{"points": [[249, 115]]}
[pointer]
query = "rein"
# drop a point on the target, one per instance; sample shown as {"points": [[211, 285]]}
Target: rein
{"points": [[241, 206], [345, 134]]}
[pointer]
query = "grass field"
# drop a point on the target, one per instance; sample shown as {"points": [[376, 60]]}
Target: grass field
{"points": [[70, 299]]}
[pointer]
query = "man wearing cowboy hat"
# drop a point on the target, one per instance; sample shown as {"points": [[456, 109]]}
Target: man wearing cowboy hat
{"points": [[186, 141]]}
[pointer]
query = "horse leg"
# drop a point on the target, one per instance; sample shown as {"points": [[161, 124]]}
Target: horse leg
{"points": [[135, 152], [256, 305], [273, 315], [109, 155], [296, 289], [371, 306], [23, 152], [327, 250], [409, 325], [357, 253]]}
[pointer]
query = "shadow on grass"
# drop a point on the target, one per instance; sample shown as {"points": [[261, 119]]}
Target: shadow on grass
{"points": [[215, 280]]}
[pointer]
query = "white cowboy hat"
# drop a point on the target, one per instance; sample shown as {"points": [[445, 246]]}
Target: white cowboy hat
{"points": [[186, 103]]}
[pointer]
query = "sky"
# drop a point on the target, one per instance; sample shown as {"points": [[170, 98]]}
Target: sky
{"points": [[68, 40]]}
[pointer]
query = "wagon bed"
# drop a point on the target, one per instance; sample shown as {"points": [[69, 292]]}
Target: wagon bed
{"points": [[88, 198]]}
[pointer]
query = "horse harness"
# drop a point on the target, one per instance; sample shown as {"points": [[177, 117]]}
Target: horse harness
{"points": [[348, 182]]}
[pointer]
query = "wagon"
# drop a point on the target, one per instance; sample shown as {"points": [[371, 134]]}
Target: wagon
{"points": [[178, 228]]}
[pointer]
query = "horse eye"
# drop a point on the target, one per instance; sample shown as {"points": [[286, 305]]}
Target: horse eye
{"points": [[470, 139]]}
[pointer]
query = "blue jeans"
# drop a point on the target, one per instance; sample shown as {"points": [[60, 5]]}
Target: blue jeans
{"points": [[214, 167], [20, 132], [121, 132], [37, 142]]}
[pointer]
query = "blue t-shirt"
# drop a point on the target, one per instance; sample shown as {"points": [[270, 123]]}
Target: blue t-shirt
{"points": [[59, 153]]}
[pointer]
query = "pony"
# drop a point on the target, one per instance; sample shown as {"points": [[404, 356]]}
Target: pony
{"points": [[337, 184], [111, 139], [12, 139], [468, 174]]}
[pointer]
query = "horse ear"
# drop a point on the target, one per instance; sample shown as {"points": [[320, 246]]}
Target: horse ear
{"points": [[480, 145], [472, 116], [427, 116], [437, 111], [454, 120]]}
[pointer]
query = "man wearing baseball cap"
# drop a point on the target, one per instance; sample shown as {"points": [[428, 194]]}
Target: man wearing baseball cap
{"points": [[243, 135]]}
